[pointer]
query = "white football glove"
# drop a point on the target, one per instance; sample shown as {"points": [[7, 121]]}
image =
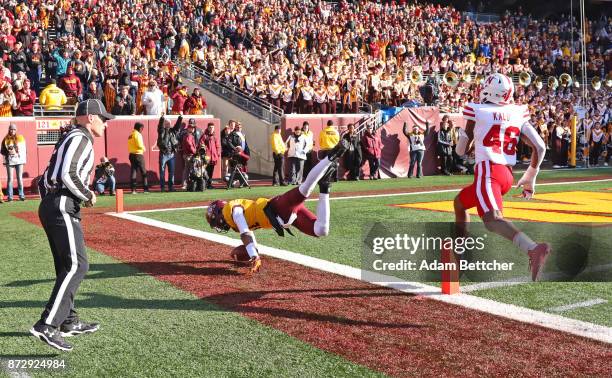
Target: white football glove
{"points": [[528, 182]]}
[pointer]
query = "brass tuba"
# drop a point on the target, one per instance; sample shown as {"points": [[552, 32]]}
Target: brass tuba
{"points": [[609, 80], [538, 82], [451, 79], [479, 78], [553, 83], [565, 80], [596, 83], [416, 77], [466, 76], [524, 79]]}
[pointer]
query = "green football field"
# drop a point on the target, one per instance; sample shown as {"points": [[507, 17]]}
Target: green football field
{"points": [[153, 328], [350, 217]]}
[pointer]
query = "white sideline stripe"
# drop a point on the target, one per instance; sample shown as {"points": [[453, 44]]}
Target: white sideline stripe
{"points": [[552, 321], [368, 196], [572, 306], [527, 279]]}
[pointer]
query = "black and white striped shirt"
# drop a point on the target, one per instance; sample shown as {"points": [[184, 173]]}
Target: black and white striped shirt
{"points": [[71, 164]]}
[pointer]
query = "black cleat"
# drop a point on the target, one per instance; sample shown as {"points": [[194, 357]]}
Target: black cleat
{"points": [[339, 150], [50, 335], [78, 328]]}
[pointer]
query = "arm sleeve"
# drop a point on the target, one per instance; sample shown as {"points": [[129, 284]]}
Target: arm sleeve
{"points": [[531, 133], [239, 219], [469, 113], [72, 164]]}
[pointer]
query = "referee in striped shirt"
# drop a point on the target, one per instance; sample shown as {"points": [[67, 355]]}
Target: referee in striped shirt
{"points": [[63, 189]]}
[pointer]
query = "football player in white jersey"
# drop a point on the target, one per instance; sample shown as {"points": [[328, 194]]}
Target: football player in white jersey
{"points": [[494, 126]]}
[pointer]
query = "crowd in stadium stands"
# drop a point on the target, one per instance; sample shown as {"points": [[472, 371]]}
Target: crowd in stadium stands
{"points": [[304, 56]]}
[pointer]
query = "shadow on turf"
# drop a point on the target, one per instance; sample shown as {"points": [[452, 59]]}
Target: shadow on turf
{"points": [[15, 334], [27, 356], [105, 271], [239, 302]]}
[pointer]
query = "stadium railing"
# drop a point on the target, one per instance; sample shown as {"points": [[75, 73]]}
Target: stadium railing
{"points": [[45, 111], [253, 105]]}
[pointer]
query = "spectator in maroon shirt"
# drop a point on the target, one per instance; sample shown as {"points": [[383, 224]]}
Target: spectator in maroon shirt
{"points": [[372, 148], [71, 84], [188, 145], [213, 151], [178, 100], [26, 98]]}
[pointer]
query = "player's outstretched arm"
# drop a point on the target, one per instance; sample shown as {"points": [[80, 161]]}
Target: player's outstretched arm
{"points": [[466, 136], [246, 235], [531, 137]]}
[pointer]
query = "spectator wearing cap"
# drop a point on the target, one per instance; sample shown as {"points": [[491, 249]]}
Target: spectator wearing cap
{"points": [[195, 104], [179, 97], [213, 149], [153, 99], [104, 177], [71, 84], [14, 151], [278, 154], [136, 149], [25, 98], [52, 97], [372, 148], [189, 148], [124, 102]]}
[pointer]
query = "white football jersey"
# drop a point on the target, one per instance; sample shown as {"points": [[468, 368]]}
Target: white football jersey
{"points": [[497, 131]]}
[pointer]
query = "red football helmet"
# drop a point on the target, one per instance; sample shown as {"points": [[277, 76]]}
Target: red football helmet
{"points": [[215, 218]]}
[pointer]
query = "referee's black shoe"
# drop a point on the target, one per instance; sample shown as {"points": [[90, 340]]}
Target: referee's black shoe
{"points": [[50, 335], [78, 327]]}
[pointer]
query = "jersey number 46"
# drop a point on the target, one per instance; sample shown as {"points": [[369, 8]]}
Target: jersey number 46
{"points": [[508, 141]]}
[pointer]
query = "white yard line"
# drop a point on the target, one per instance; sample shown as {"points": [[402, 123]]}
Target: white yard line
{"points": [[371, 196], [552, 321], [527, 279], [572, 306]]}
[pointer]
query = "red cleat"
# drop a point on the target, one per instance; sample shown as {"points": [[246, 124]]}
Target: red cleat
{"points": [[537, 259]]}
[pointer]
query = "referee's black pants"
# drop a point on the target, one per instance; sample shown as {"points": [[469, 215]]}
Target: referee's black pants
{"points": [[60, 217]]}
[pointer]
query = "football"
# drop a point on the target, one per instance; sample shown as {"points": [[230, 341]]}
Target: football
{"points": [[240, 254]]}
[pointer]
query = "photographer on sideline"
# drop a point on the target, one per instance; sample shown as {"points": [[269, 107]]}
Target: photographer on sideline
{"points": [[416, 140], [104, 177]]}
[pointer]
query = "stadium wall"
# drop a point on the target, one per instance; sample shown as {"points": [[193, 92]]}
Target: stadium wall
{"points": [[113, 145]]}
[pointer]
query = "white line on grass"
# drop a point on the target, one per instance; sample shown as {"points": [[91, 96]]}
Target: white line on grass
{"points": [[572, 306], [369, 196], [552, 321], [552, 276]]}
